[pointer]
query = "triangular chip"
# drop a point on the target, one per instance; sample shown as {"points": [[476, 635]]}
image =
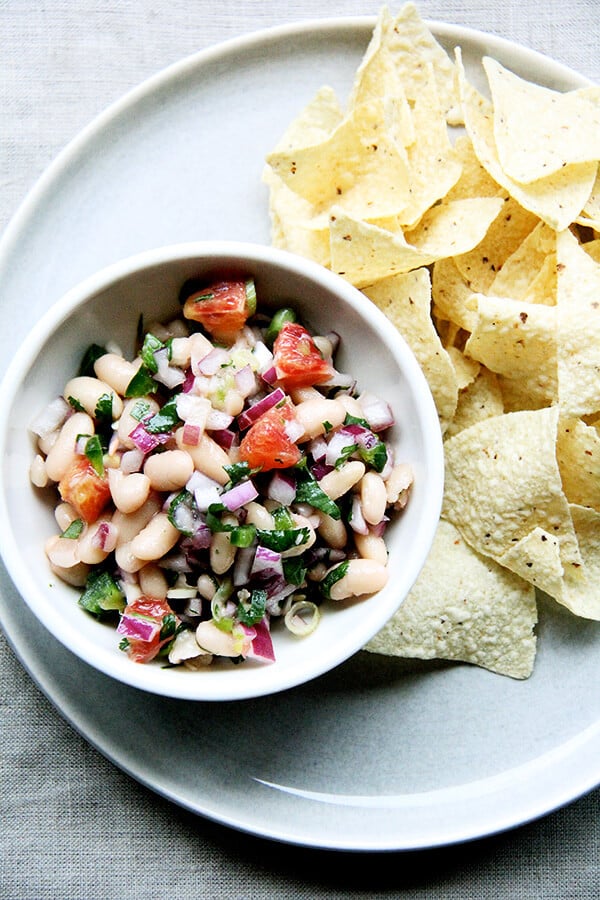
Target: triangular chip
{"points": [[557, 199], [578, 455], [518, 340], [539, 131], [479, 400], [578, 305], [503, 481], [406, 301], [519, 271], [363, 253], [464, 607]]}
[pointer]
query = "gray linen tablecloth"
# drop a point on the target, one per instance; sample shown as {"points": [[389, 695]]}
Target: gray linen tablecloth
{"points": [[72, 825]]}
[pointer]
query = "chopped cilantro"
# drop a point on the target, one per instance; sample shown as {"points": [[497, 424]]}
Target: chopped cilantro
{"points": [[332, 576], [254, 612]]}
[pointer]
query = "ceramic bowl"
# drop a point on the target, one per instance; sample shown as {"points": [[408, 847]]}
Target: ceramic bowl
{"points": [[107, 307]]}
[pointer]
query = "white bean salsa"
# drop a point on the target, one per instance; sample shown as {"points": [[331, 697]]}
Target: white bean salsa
{"points": [[226, 477]]}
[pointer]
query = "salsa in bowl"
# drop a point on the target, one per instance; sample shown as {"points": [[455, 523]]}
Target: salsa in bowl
{"points": [[222, 470]]}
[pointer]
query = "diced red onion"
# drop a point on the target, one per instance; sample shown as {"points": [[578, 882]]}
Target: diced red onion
{"points": [[213, 361], [51, 418], [262, 643], [269, 375], [357, 520], [105, 537], [320, 469], [339, 441], [245, 381], [217, 419], [188, 383], [239, 495], [168, 375], [376, 411], [282, 488], [205, 490], [190, 435], [132, 461], [144, 440], [250, 415], [224, 437], [266, 561], [379, 529], [318, 448], [294, 430], [141, 629], [243, 565]]}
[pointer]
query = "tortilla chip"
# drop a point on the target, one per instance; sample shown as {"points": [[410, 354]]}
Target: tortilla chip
{"points": [[359, 166], [539, 131], [519, 271], [413, 48], [364, 253], [503, 481], [464, 607], [479, 400], [406, 301], [556, 199], [466, 369], [578, 325], [578, 455], [505, 235], [518, 340], [319, 118], [453, 296]]}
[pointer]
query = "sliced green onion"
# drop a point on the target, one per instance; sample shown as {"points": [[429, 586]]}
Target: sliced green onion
{"points": [[250, 296], [73, 531], [286, 314], [302, 618]]}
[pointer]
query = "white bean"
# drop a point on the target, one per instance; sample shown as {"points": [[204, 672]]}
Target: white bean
{"points": [[313, 414], [206, 586], [87, 391], [222, 552], [372, 546], [128, 492], [339, 481], [363, 576], [64, 515], [130, 524], [373, 497], [126, 560], [258, 515], [62, 453], [208, 457], [333, 531], [220, 643], [153, 581], [351, 405], [301, 522], [62, 552], [74, 575], [169, 470], [89, 549], [156, 539], [398, 484], [116, 371], [37, 472]]}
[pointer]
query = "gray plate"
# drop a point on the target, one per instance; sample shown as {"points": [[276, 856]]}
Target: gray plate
{"points": [[379, 754]]}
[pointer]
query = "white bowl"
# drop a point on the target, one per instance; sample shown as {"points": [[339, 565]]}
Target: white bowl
{"points": [[107, 307]]}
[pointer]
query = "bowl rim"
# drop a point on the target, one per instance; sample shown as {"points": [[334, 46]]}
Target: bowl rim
{"points": [[73, 300]]}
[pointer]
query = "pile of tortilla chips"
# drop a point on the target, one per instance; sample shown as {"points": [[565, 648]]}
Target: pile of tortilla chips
{"points": [[473, 222]]}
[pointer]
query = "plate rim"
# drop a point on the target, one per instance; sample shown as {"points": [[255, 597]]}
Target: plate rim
{"points": [[9, 239]]}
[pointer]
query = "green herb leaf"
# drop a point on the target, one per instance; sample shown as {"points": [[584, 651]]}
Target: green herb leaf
{"points": [[281, 539], [149, 347], [141, 384], [73, 531], [294, 569], [103, 411], [95, 454], [75, 404], [139, 410], [254, 612], [166, 419], [237, 472], [376, 456], [93, 352], [310, 492]]}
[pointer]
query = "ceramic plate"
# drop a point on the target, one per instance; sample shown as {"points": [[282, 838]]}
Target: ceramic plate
{"points": [[379, 754]]}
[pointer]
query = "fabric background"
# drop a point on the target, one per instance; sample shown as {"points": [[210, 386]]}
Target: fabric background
{"points": [[72, 825]]}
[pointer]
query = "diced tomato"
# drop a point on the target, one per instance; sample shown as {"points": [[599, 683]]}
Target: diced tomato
{"points": [[85, 490], [222, 308], [298, 360], [266, 444], [152, 608]]}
